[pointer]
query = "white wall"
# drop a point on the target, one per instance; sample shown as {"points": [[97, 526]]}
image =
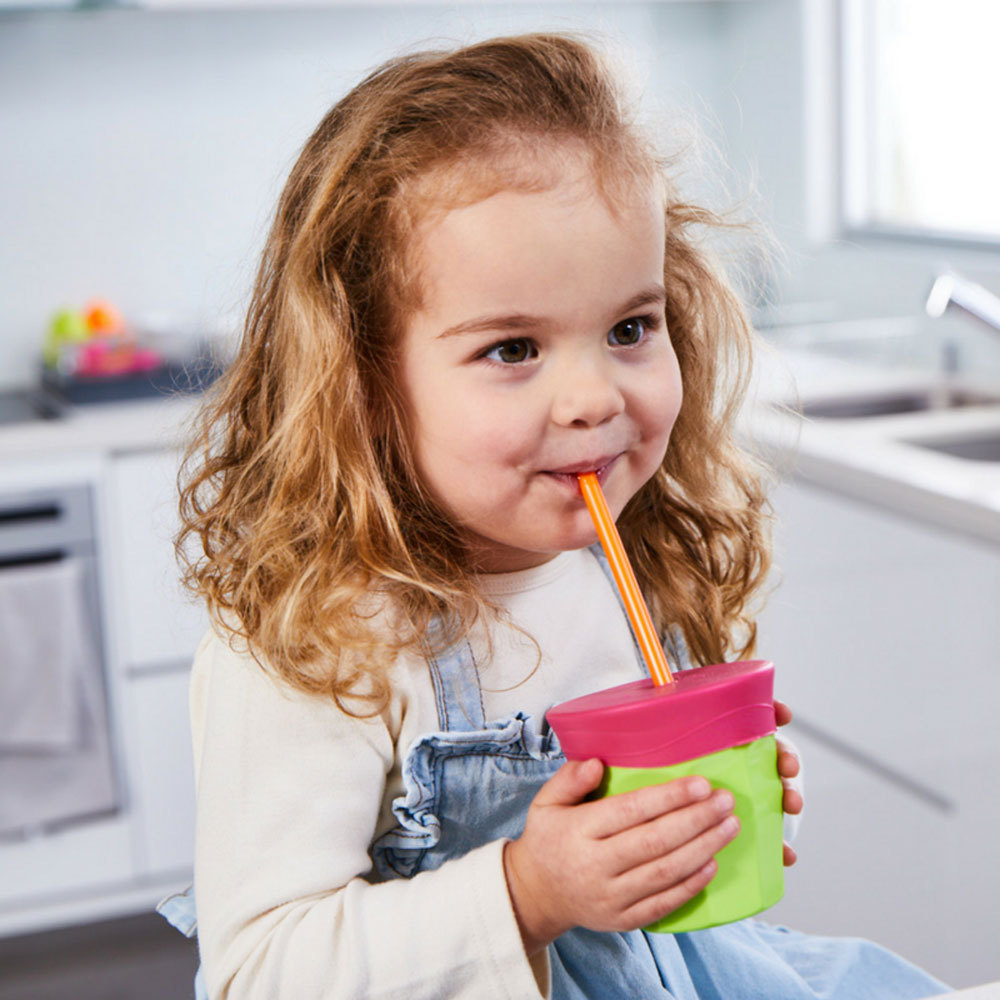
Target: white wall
{"points": [[143, 150]]}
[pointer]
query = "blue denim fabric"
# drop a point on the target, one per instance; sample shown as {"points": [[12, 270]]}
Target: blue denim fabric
{"points": [[472, 782], [180, 912]]}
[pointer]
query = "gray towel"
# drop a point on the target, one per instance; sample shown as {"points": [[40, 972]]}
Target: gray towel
{"points": [[56, 763], [43, 647]]}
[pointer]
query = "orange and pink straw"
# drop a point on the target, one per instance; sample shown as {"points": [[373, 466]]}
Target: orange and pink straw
{"points": [[628, 587]]}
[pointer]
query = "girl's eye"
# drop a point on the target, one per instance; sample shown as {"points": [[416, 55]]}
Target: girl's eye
{"points": [[512, 352], [627, 332]]}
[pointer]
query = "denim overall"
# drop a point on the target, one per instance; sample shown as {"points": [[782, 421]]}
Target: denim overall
{"points": [[472, 782]]}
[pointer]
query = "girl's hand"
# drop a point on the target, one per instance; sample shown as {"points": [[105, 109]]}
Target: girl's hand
{"points": [[788, 767], [616, 863]]}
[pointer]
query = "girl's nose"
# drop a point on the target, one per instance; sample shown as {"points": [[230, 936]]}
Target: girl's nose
{"points": [[586, 396]]}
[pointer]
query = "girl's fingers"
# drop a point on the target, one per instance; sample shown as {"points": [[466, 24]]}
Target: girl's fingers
{"points": [[571, 784], [655, 907], [789, 857], [791, 801], [788, 762], [616, 813], [665, 835], [656, 880], [782, 713]]}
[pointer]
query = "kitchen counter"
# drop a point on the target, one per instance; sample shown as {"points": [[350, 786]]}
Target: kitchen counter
{"points": [[868, 458], [107, 428]]}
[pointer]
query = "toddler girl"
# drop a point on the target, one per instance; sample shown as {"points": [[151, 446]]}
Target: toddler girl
{"points": [[479, 284]]}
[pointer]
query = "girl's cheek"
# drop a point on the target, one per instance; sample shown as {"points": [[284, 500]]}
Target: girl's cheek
{"points": [[503, 440]]}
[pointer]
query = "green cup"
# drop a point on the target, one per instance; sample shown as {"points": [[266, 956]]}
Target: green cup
{"points": [[715, 721]]}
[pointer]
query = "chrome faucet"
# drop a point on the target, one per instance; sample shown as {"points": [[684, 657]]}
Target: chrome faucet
{"points": [[951, 290]]}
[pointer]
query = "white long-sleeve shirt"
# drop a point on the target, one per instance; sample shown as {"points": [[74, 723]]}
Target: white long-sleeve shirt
{"points": [[292, 792]]}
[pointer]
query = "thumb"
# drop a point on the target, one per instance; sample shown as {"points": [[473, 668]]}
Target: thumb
{"points": [[572, 783]]}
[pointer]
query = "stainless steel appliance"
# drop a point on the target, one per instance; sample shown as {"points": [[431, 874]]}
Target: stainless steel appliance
{"points": [[50, 611]]}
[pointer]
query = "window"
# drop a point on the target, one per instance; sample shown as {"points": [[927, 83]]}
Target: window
{"points": [[921, 129]]}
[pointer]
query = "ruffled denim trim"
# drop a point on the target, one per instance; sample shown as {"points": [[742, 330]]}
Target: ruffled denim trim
{"points": [[400, 851], [179, 910]]}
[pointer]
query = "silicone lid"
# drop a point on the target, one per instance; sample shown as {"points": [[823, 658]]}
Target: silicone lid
{"points": [[640, 724]]}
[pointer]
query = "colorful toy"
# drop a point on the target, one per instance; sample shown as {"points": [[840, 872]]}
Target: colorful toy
{"points": [[67, 326], [95, 342]]}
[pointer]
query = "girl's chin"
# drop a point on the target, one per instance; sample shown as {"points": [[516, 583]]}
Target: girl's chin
{"points": [[525, 549], [511, 559], [579, 535]]}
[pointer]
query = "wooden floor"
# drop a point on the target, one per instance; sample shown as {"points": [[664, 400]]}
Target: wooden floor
{"points": [[137, 958]]}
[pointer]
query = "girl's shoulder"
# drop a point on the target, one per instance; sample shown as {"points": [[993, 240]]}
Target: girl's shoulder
{"points": [[226, 670], [246, 720]]}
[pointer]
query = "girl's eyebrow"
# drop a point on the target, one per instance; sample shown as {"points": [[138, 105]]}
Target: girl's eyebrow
{"points": [[654, 295], [512, 321]]}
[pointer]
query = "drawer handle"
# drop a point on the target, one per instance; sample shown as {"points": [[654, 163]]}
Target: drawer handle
{"points": [[36, 512], [31, 559]]}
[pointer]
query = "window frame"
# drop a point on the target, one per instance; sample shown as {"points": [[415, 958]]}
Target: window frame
{"points": [[852, 93]]}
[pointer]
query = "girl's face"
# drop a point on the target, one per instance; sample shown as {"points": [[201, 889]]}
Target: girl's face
{"points": [[540, 350]]}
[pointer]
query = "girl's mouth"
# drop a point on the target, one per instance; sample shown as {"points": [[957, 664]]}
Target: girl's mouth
{"points": [[569, 473]]}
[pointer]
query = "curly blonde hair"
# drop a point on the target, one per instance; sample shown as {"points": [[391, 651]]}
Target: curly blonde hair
{"points": [[299, 488]]}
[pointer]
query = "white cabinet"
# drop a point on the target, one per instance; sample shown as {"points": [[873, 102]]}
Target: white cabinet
{"points": [[880, 863], [47, 878], [109, 865], [162, 772], [886, 638], [158, 628], [885, 631], [157, 623]]}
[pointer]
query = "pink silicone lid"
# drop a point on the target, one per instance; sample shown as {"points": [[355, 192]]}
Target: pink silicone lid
{"points": [[704, 710]]}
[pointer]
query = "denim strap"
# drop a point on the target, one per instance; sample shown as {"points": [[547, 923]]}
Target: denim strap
{"points": [[457, 692]]}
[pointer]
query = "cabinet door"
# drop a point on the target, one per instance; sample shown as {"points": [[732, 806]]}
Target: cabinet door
{"points": [[874, 862], [162, 769], [884, 631], [885, 636], [79, 862], [156, 622]]}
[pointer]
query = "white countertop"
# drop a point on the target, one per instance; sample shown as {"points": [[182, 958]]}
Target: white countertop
{"points": [[869, 458], [106, 428]]}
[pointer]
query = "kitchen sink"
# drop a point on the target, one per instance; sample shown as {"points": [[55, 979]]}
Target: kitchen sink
{"points": [[975, 447], [894, 402]]}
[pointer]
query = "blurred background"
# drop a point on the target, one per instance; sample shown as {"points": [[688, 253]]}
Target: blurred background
{"points": [[144, 147]]}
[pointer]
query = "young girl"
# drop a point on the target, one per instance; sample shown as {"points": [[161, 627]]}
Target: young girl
{"points": [[479, 283]]}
